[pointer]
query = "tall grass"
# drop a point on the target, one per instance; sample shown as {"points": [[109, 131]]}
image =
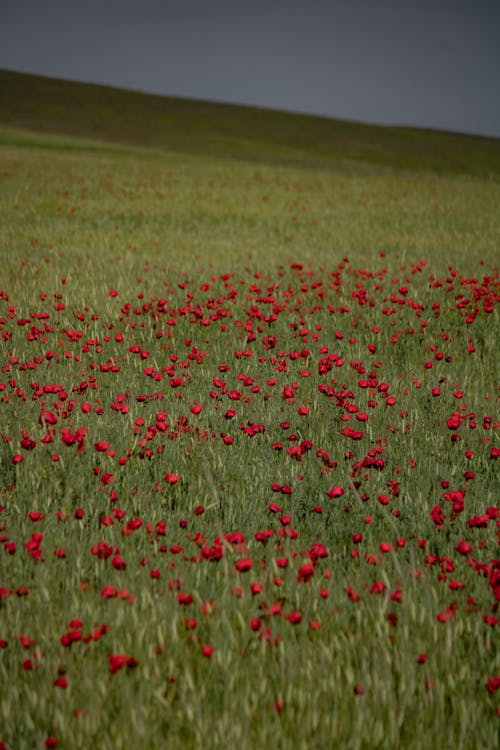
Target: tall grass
{"points": [[124, 269]]}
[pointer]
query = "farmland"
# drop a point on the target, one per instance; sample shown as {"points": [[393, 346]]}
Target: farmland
{"points": [[249, 447]]}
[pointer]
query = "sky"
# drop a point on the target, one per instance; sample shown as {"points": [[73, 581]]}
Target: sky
{"points": [[426, 63]]}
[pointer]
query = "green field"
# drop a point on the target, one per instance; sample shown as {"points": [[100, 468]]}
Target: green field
{"points": [[249, 488]]}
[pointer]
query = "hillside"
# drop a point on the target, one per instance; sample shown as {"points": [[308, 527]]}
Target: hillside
{"points": [[48, 105]]}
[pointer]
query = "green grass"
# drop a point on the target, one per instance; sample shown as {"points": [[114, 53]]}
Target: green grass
{"points": [[182, 209], [220, 230], [226, 131]]}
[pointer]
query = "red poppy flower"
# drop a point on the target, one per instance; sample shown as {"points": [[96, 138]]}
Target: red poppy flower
{"points": [[118, 661], [244, 564], [306, 572], [463, 548], [447, 614], [493, 684], [335, 491], [171, 478]]}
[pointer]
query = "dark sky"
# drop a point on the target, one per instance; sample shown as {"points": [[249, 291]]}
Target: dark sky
{"points": [[430, 63]]}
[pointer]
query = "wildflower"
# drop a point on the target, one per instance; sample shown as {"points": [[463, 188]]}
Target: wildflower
{"points": [[171, 478], [244, 564], [463, 548], [493, 684], [279, 704], [353, 595], [491, 620], [447, 614], [306, 572], [437, 515], [335, 491], [118, 661]]}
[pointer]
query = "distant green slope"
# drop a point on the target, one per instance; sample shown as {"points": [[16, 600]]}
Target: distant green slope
{"points": [[103, 113]]}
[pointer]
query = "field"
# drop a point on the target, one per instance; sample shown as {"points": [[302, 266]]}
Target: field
{"points": [[249, 488]]}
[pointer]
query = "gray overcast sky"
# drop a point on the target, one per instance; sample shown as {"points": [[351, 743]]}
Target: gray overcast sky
{"points": [[430, 63]]}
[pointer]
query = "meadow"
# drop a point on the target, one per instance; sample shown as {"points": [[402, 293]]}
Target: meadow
{"points": [[249, 488]]}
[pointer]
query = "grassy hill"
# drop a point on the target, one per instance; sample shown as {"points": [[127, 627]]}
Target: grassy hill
{"points": [[48, 105]]}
